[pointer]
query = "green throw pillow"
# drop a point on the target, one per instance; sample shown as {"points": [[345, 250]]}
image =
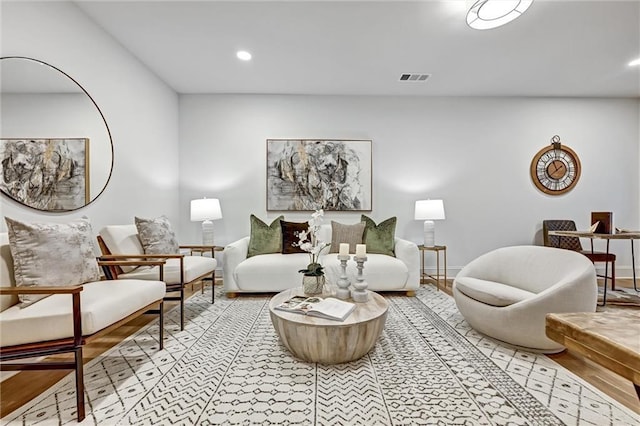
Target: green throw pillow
{"points": [[380, 238], [265, 239]]}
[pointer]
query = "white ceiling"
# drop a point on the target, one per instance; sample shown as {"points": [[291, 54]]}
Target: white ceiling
{"points": [[557, 48]]}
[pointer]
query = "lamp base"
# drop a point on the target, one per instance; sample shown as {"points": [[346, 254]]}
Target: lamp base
{"points": [[207, 233], [429, 233]]}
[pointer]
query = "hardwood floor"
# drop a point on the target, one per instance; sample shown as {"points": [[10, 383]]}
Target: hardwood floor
{"points": [[26, 385]]}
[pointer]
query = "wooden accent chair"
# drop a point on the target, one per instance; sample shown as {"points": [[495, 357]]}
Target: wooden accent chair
{"points": [[121, 242], [69, 318], [573, 243]]}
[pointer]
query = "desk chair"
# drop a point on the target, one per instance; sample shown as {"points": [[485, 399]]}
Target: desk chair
{"points": [[573, 243]]}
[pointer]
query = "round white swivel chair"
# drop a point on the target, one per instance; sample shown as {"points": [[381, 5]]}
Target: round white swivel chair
{"points": [[507, 292]]}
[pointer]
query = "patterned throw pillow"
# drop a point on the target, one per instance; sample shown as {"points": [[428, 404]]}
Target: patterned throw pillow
{"points": [[265, 239], [380, 238], [157, 236], [290, 232], [52, 254], [341, 233]]}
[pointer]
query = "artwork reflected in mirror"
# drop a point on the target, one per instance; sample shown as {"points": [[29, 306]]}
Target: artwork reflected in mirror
{"points": [[309, 174], [46, 174], [48, 123]]}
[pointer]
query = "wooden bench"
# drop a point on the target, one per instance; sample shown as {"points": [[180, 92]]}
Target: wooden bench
{"points": [[611, 339]]}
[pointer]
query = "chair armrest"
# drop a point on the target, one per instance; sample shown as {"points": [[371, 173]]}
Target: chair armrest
{"points": [[74, 291], [407, 252], [111, 272], [131, 262], [42, 290], [234, 254], [140, 256]]}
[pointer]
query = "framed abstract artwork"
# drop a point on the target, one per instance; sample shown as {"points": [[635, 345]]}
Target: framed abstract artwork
{"points": [[46, 174], [309, 174]]}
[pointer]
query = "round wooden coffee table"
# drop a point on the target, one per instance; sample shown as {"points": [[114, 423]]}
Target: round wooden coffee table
{"points": [[325, 341]]}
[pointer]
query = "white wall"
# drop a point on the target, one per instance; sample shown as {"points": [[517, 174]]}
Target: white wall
{"points": [[142, 112], [60, 115], [474, 153]]}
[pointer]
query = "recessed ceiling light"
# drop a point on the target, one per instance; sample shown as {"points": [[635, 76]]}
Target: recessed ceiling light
{"points": [[634, 62], [486, 14], [243, 55]]}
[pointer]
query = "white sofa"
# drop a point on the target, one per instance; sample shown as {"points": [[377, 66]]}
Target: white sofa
{"points": [[277, 272], [67, 319], [507, 292]]}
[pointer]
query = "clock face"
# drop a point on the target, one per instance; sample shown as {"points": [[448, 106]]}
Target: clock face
{"points": [[555, 169]]}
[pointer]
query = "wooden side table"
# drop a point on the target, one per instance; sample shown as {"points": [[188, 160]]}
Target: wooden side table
{"points": [[202, 250], [436, 278]]}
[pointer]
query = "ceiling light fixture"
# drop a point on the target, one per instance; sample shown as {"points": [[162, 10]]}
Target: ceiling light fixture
{"points": [[243, 55], [634, 62], [487, 14]]}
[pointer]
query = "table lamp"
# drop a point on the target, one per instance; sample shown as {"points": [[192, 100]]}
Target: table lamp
{"points": [[429, 210], [206, 210]]}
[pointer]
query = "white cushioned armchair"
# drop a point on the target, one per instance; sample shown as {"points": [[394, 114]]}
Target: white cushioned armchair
{"points": [[276, 272], [121, 242], [70, 317], [507, 292]]}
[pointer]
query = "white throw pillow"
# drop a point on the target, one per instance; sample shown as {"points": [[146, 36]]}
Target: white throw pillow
{"points": [[350, 234], [52, 254], [157, 236]]}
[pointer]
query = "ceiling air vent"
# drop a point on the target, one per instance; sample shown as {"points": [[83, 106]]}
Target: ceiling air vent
{"points": [[414, 77]]}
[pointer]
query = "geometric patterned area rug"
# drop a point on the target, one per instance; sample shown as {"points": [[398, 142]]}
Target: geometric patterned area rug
{"points": [[621, 296], [228, 367]]}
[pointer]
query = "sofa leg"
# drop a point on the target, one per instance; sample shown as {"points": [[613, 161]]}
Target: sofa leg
{"points": [[232, 295], [79, 384], [411, 293]]}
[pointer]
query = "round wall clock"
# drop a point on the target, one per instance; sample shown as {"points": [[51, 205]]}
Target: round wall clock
{"points": [[555, 169]]}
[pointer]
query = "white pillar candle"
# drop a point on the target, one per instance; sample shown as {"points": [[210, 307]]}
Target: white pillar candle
{"points": [[344, 249], [361, 250]]}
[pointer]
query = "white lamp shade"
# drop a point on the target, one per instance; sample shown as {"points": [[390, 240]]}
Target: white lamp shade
{"points": [[205, 209], [429, 210]]}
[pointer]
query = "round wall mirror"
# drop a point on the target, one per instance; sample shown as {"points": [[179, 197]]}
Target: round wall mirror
{"points": [[56, 152]]}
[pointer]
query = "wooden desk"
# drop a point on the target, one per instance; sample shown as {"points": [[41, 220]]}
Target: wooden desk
{"points": [[611, 339], [608, 237]]}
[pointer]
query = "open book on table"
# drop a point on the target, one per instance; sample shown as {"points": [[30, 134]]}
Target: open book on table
{"points": [[328, 308]]}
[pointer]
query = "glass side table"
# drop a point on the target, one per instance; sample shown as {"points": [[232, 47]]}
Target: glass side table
{"points": [[438, 276]]}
